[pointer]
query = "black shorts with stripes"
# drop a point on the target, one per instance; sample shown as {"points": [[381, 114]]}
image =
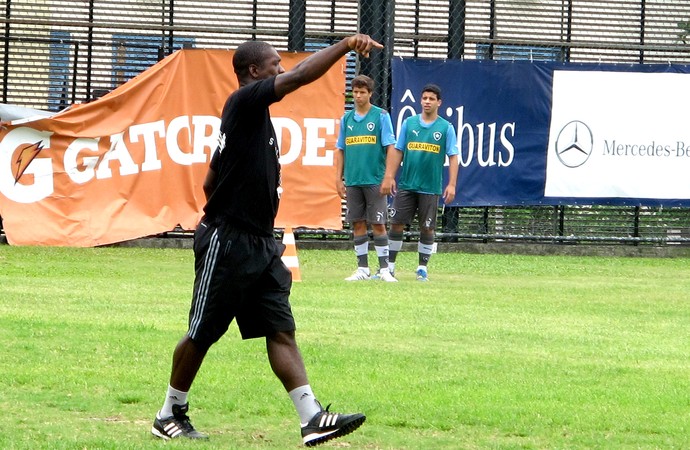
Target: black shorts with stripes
{"points": [[238, 275]]}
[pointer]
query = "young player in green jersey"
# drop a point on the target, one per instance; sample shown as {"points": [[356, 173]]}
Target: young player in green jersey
{"points": [[423, 144], [366, 136]]}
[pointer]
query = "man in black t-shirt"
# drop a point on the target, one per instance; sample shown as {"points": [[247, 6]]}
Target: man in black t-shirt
{"points": [[239, 273]]}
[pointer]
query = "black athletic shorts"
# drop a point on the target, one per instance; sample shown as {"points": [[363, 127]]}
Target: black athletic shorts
{"points": [[366, 203], [238, 275], [406, 203]]}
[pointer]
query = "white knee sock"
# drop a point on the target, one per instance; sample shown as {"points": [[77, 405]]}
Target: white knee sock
{"points": [[173, 397], [305, 403]]}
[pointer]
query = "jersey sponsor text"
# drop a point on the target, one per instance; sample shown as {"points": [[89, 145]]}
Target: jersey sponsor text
{"points": [[358, 140], [423, 147]]}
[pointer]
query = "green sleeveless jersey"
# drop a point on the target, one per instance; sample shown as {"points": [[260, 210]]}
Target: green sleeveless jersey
{"points": [[364, 153], [424, 154]]}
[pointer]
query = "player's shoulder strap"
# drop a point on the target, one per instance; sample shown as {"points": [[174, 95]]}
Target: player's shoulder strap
{"points": [[413, 120], [348, 115], [378, 110], [444, 120]]}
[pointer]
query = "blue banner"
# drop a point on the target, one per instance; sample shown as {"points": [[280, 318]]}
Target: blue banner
{"points": [[502, 112]]}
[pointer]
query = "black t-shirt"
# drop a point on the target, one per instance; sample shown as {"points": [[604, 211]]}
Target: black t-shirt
{"points": [[246, 162]]}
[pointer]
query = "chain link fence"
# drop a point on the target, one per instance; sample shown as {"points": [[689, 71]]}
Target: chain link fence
{"points": [[58, 52]]}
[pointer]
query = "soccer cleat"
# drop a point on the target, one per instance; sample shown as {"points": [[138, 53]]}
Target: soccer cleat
{"points": [[176, 426], [386, 275], [358, 275], [391, 268], [422, 274], [326, 425]]}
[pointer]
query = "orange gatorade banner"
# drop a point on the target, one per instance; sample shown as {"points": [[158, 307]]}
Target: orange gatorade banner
{"points": [[132, 163]]}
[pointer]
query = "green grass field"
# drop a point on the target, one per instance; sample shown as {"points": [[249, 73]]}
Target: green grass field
{"points": [[495, 352]]}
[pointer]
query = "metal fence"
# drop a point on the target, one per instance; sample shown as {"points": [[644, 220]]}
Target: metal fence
{"points": [[58, 52]]}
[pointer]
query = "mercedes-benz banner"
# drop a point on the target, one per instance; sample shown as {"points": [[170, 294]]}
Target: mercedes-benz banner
{"points": [[532, 133]]}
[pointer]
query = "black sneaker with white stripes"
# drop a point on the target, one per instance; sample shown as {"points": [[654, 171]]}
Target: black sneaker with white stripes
{"points": [[326, 425], [176, 426]]}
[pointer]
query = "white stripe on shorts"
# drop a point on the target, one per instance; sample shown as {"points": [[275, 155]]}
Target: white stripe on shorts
{"points": [[206, 276]]}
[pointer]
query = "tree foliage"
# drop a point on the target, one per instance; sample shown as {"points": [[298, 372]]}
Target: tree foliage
{"points": [[685, 31]]}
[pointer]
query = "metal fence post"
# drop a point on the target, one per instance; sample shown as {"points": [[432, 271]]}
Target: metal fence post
{"points": [[297, 25], [456, 29], [6, 69], [376, 20]]}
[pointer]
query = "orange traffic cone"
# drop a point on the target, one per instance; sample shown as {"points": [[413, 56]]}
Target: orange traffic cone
{"points": [[290, 254]]}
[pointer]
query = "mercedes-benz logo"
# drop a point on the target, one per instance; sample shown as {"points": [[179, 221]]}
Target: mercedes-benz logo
{"points": [[574, 144]]}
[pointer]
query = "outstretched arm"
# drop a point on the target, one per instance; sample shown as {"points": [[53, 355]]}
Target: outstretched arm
{"points": [[318, 64]]}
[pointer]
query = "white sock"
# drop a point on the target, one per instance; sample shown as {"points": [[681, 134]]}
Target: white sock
{"points": [[425, 249], [305, 403], [173, 397], [396, 246], [362, 249]]}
